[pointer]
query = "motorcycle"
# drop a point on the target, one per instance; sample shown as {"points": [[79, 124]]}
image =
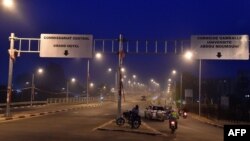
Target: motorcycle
{"points": [[172, 125], [133, 119], [185, 115]]}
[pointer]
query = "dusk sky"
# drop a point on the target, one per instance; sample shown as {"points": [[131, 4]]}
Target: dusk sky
{"points": [[134, 19]]}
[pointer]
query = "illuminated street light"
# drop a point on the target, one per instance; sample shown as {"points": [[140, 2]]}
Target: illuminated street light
{"points": [[152, 80], [91, 85], [123, 69], [73, 80], [169, 80], [109, 70], [40, 70], [134, 76], [188, 55], [174, 72], [98, 55], [8, 3]]}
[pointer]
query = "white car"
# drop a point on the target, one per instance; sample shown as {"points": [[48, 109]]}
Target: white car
{"points": [[155, 112]]}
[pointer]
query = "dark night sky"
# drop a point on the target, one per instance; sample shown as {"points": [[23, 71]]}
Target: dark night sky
{"points": [[135, 19]]}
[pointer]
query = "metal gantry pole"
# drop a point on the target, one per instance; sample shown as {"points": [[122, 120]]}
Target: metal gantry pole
{"points": [[200, 87], [10, 74], [120, 74], [32, 89], [87, 87]]}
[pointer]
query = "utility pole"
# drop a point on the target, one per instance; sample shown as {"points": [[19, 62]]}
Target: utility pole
{"points": [[121, 55], [200, 88]]}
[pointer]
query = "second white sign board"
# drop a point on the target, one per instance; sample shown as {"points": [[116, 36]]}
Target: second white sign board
{"points": [[66, 46], [220, 47]]}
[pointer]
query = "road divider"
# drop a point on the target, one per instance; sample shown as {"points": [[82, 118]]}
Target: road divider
{"points": [[37, 113]]}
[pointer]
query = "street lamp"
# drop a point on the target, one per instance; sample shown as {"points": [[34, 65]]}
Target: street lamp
{"points": [[116, 80], [188, 55], [98, 56], [32, 96], [174, 73], [169, 80], [152, 80], [8, 3], [122, 70], [67, 93], [109, 69], [134, 76], [40, 70], [91, 85]]}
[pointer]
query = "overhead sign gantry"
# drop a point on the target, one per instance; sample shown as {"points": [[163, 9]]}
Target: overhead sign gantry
{"points": [[83, 46]]}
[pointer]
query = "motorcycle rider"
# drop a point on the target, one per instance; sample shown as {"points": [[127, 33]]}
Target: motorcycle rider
{"points": [[135, 110], [173, 117]]}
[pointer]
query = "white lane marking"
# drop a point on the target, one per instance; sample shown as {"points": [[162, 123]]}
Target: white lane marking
{"points": [[103, 125], [153, 129]]}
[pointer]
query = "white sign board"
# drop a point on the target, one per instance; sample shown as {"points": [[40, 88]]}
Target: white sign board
{"points": [[66, 46], [221, 47]]}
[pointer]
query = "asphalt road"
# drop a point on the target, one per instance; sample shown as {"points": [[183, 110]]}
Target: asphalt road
{"points": [[79, 125]]}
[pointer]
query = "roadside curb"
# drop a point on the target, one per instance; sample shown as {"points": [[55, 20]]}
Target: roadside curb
{"points": [[207, 122], [25, 116], [130, 131]]}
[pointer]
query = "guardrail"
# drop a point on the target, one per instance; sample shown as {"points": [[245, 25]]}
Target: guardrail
{"points": [[71, 100], [53, 101], [24, 103]]}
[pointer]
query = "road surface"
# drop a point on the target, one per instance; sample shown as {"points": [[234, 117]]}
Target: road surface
{"points": [[84, 124]]}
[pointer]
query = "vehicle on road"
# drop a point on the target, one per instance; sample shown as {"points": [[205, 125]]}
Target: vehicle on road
{"points": [[184, 115], [134, 120], [173, 125], [155, 112]]}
